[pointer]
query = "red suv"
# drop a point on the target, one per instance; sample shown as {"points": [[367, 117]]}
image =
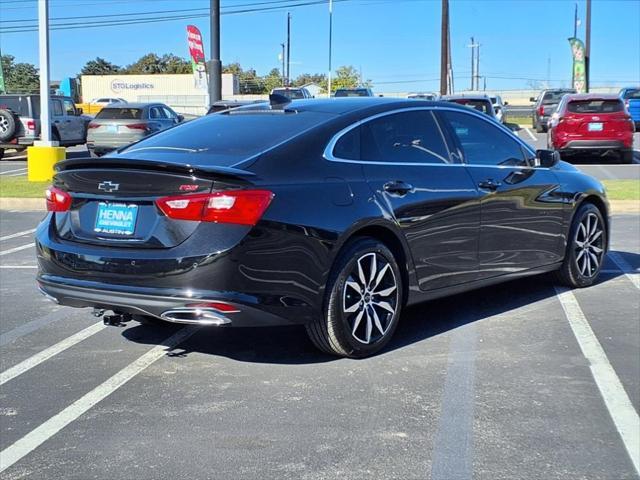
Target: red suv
{"points": [[594, 123]]}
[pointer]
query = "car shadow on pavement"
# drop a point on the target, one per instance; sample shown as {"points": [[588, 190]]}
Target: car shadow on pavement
{"points": [[290, 345]]}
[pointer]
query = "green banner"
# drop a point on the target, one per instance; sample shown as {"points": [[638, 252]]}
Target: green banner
{"points": [[579, 70], [2, 87]]}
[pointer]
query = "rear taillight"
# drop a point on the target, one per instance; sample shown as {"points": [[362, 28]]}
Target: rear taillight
{"points": [[540, 110], [137, 126], [92, 125], [57, 200], [31, 124], [244, 207]]}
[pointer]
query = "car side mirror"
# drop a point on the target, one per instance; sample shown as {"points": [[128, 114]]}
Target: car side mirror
{"points": [[532, 99], [505, 103], [547, 158], [79, 111], [180, 118]]}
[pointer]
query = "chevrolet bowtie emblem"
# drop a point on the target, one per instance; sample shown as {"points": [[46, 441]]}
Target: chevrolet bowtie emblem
{"points": [[108, 186]]}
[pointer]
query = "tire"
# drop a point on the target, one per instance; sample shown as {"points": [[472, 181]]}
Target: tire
{"points": [[626, 156], [539, 128], [1, 153], [356, 324], [8, 125], [582, 264]]}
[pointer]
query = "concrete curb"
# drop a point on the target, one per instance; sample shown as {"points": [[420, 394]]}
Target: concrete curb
{"points": [[38, 205]]}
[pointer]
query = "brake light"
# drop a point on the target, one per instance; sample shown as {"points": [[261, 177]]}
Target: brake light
{"points": [[137, 126], [541, 110], [57, 200], [220, 306], [92, 125], [243, 207], [31, 124]]}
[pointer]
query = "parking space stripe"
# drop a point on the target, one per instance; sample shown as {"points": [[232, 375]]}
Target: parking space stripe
{"points": [[12, 171], [47, 353], [32, 326], [531, 135], [453, 452], [18, 234], [627, 269], [49, 428], [18, 267], [615, 397], [16, 249]]}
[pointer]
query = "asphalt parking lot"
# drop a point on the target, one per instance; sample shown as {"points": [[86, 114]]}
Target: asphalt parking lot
{"points": [[501, 383]]}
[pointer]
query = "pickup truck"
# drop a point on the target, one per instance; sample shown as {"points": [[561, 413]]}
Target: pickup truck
{"points": [[20, 121]]}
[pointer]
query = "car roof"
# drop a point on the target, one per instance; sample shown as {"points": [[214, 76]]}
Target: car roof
{"points": [[466, 97], [592, 96], [134, 105]]}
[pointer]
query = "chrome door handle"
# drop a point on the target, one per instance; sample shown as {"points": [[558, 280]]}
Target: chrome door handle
{"points": [[398, 187], [489, 184]]}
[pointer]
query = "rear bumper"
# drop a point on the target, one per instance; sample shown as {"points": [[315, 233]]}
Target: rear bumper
{"points": [[159, 303], [594, 145]]}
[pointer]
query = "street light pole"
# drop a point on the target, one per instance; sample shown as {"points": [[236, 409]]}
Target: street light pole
{"points": [[288, 49], [587, 56], [283, 57], [215, 66], [43, 41], [444, 50], [330, 40]]}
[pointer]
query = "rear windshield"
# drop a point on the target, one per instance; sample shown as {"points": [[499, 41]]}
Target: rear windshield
{"points": [[359, 92], [553, 97], [595, 106], [225, 139], [19, 105], [120, 114], [291, 94], [480, 105], [634, 94]]}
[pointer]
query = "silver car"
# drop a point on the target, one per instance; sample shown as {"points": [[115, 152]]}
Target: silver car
{"points": [[118, 125]]}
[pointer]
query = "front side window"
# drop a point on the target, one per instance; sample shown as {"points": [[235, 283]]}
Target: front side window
{"points": [[69, 107], [57, 107], [169, 113], [482, 142], [405, 137]]}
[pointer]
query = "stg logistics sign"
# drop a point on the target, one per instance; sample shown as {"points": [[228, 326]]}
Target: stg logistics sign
{"points": [[118, 86]]}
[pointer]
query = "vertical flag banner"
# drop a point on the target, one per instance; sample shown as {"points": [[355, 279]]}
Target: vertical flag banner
{"points": [[579, 71], [2, 87], [196, 51]]}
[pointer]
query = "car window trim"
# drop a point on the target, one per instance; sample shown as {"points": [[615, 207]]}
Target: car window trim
{"points": [[328, 151]]}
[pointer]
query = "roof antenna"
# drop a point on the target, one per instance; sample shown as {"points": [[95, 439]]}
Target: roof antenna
{"points": [[278, 101]]}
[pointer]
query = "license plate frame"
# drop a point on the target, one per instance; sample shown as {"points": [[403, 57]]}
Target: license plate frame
{"points": [[116, 218], [595, 126]]}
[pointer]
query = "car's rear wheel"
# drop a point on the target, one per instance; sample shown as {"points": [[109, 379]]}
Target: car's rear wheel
{"points": [[8, 125], [586, 248], [364, 300]]}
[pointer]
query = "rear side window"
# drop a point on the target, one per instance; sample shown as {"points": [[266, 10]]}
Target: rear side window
{"points": [[119, 114], [484, 143], [595, 106], [348, 146], [406, 137], [632, 94], [19, 105]]}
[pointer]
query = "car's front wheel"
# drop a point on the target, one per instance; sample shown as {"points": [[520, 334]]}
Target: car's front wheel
{"points": [[364, 300], [586, 248]]}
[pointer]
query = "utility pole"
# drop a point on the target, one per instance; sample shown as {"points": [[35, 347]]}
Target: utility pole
{"points": [[450, 88], [575, 21], [288, 49], [444, 50], [282, 57], [215, 66], [587, 56], [330, 40], [473, 63], [478, 66], [43, 41]]}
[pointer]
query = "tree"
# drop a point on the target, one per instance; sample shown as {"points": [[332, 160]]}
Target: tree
{"points": [[99, 66], [174, 64], [346, 77], [19, 77], [306, 78], [272, 80], [152, 63]]}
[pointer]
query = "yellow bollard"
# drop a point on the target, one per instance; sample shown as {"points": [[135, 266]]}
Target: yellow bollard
{"points": [[41, 160]]}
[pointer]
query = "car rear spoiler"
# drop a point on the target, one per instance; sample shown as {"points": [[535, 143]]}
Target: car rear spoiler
{"points": [[138, 164]]}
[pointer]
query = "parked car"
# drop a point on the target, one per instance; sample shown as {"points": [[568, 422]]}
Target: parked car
{"points": [[631, 98], [424, 96], [20, 121], [292, 93], [545, 105], [330, 214], [499, 108], [480, 103], [592, 123], [104, 101], [353, 92], [223, 105], [118, 125]]}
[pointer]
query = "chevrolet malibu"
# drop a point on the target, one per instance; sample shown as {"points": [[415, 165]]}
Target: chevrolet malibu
{"points": [[334, 214]]}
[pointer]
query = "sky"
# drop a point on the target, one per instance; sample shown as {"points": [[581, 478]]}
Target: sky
{"points": [[394, 43]]}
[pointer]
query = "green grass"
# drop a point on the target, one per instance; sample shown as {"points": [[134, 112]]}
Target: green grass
{"points": [[523, 121], [622, 189], [19, 187]]}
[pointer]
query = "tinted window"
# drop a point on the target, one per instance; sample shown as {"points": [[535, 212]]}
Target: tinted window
{"points": [[69, 107], [348, 147], [595, 106], [291, 94], [169, 113], [19, 105], [156, 112], [57, 107], [483, 106], [482, 142], [358, 92], [120, 114], [551, 98], [226, 138], [407, 137], [635, 94]]}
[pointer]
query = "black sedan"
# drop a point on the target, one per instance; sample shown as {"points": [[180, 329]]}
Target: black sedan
{"points": [[334, 214]]}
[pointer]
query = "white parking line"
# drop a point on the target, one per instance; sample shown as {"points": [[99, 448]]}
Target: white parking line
{"points": [[615, 397], [627, 269], [531, 135], [19, 174], [16, 249], [33, 325], [12, 171], [18, 267], [48, 429], [16, 235], [47, 353]]}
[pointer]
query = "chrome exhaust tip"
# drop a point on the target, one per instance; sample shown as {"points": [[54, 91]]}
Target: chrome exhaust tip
{"points": [[195, 316]]}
